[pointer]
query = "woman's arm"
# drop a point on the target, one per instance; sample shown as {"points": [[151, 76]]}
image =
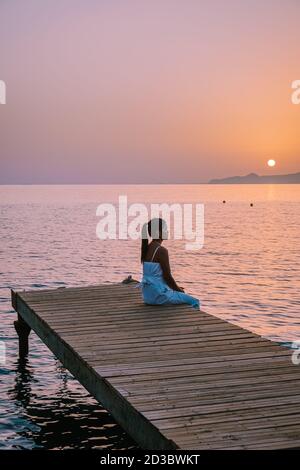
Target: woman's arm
{"points": [[165, 266]]}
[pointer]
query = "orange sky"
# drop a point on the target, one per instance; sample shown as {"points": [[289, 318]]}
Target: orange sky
{"points": [[148, 91]]}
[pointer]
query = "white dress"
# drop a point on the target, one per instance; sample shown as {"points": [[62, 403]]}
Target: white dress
{"points": [[156, 291]]}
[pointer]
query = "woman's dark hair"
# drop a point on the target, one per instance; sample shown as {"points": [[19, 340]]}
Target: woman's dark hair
{"points": [[154, 229]]}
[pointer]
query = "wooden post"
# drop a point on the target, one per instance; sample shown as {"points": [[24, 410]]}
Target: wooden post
{"points": [[21, 327], [23, 331]]}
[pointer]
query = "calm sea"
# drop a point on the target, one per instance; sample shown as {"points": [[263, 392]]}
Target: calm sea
{"points": [[248, 272]]}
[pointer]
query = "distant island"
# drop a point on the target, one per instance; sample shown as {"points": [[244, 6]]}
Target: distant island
{"points": [[253, 178]]}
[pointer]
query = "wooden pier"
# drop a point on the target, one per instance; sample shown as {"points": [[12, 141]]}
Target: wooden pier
{"points": [[172, 377]]}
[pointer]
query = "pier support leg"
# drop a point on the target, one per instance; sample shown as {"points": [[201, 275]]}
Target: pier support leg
{"points": [[23, 331]]}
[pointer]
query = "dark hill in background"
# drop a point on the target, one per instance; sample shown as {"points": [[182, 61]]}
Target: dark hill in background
{"points": [[253, 178]]}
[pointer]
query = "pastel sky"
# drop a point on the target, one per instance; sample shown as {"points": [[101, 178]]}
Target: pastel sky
{"points": [[147, 91]]}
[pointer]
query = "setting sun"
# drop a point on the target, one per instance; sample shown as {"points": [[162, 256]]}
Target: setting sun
{"points": [[271, 162]]}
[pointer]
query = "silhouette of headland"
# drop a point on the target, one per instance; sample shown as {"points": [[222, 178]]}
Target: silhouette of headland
{"points": [[253, 178]]}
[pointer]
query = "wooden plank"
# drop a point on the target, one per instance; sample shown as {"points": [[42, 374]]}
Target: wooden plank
{"points": [[250, 424], [175, 387], [225, 389], [231, 417], [172, 377], [213, 398]]}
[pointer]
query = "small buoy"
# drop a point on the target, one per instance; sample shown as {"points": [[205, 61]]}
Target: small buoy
{"points": [[251, 204], [224, 202]]}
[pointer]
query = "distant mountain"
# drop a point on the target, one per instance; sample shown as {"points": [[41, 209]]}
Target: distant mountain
{"points": [[253, 178]]}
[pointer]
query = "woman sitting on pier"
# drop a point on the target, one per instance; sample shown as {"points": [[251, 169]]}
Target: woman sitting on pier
{"points": [[158, 284]]}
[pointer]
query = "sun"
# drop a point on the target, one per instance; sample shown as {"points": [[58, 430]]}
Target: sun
{"points": [[271, 162]]}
